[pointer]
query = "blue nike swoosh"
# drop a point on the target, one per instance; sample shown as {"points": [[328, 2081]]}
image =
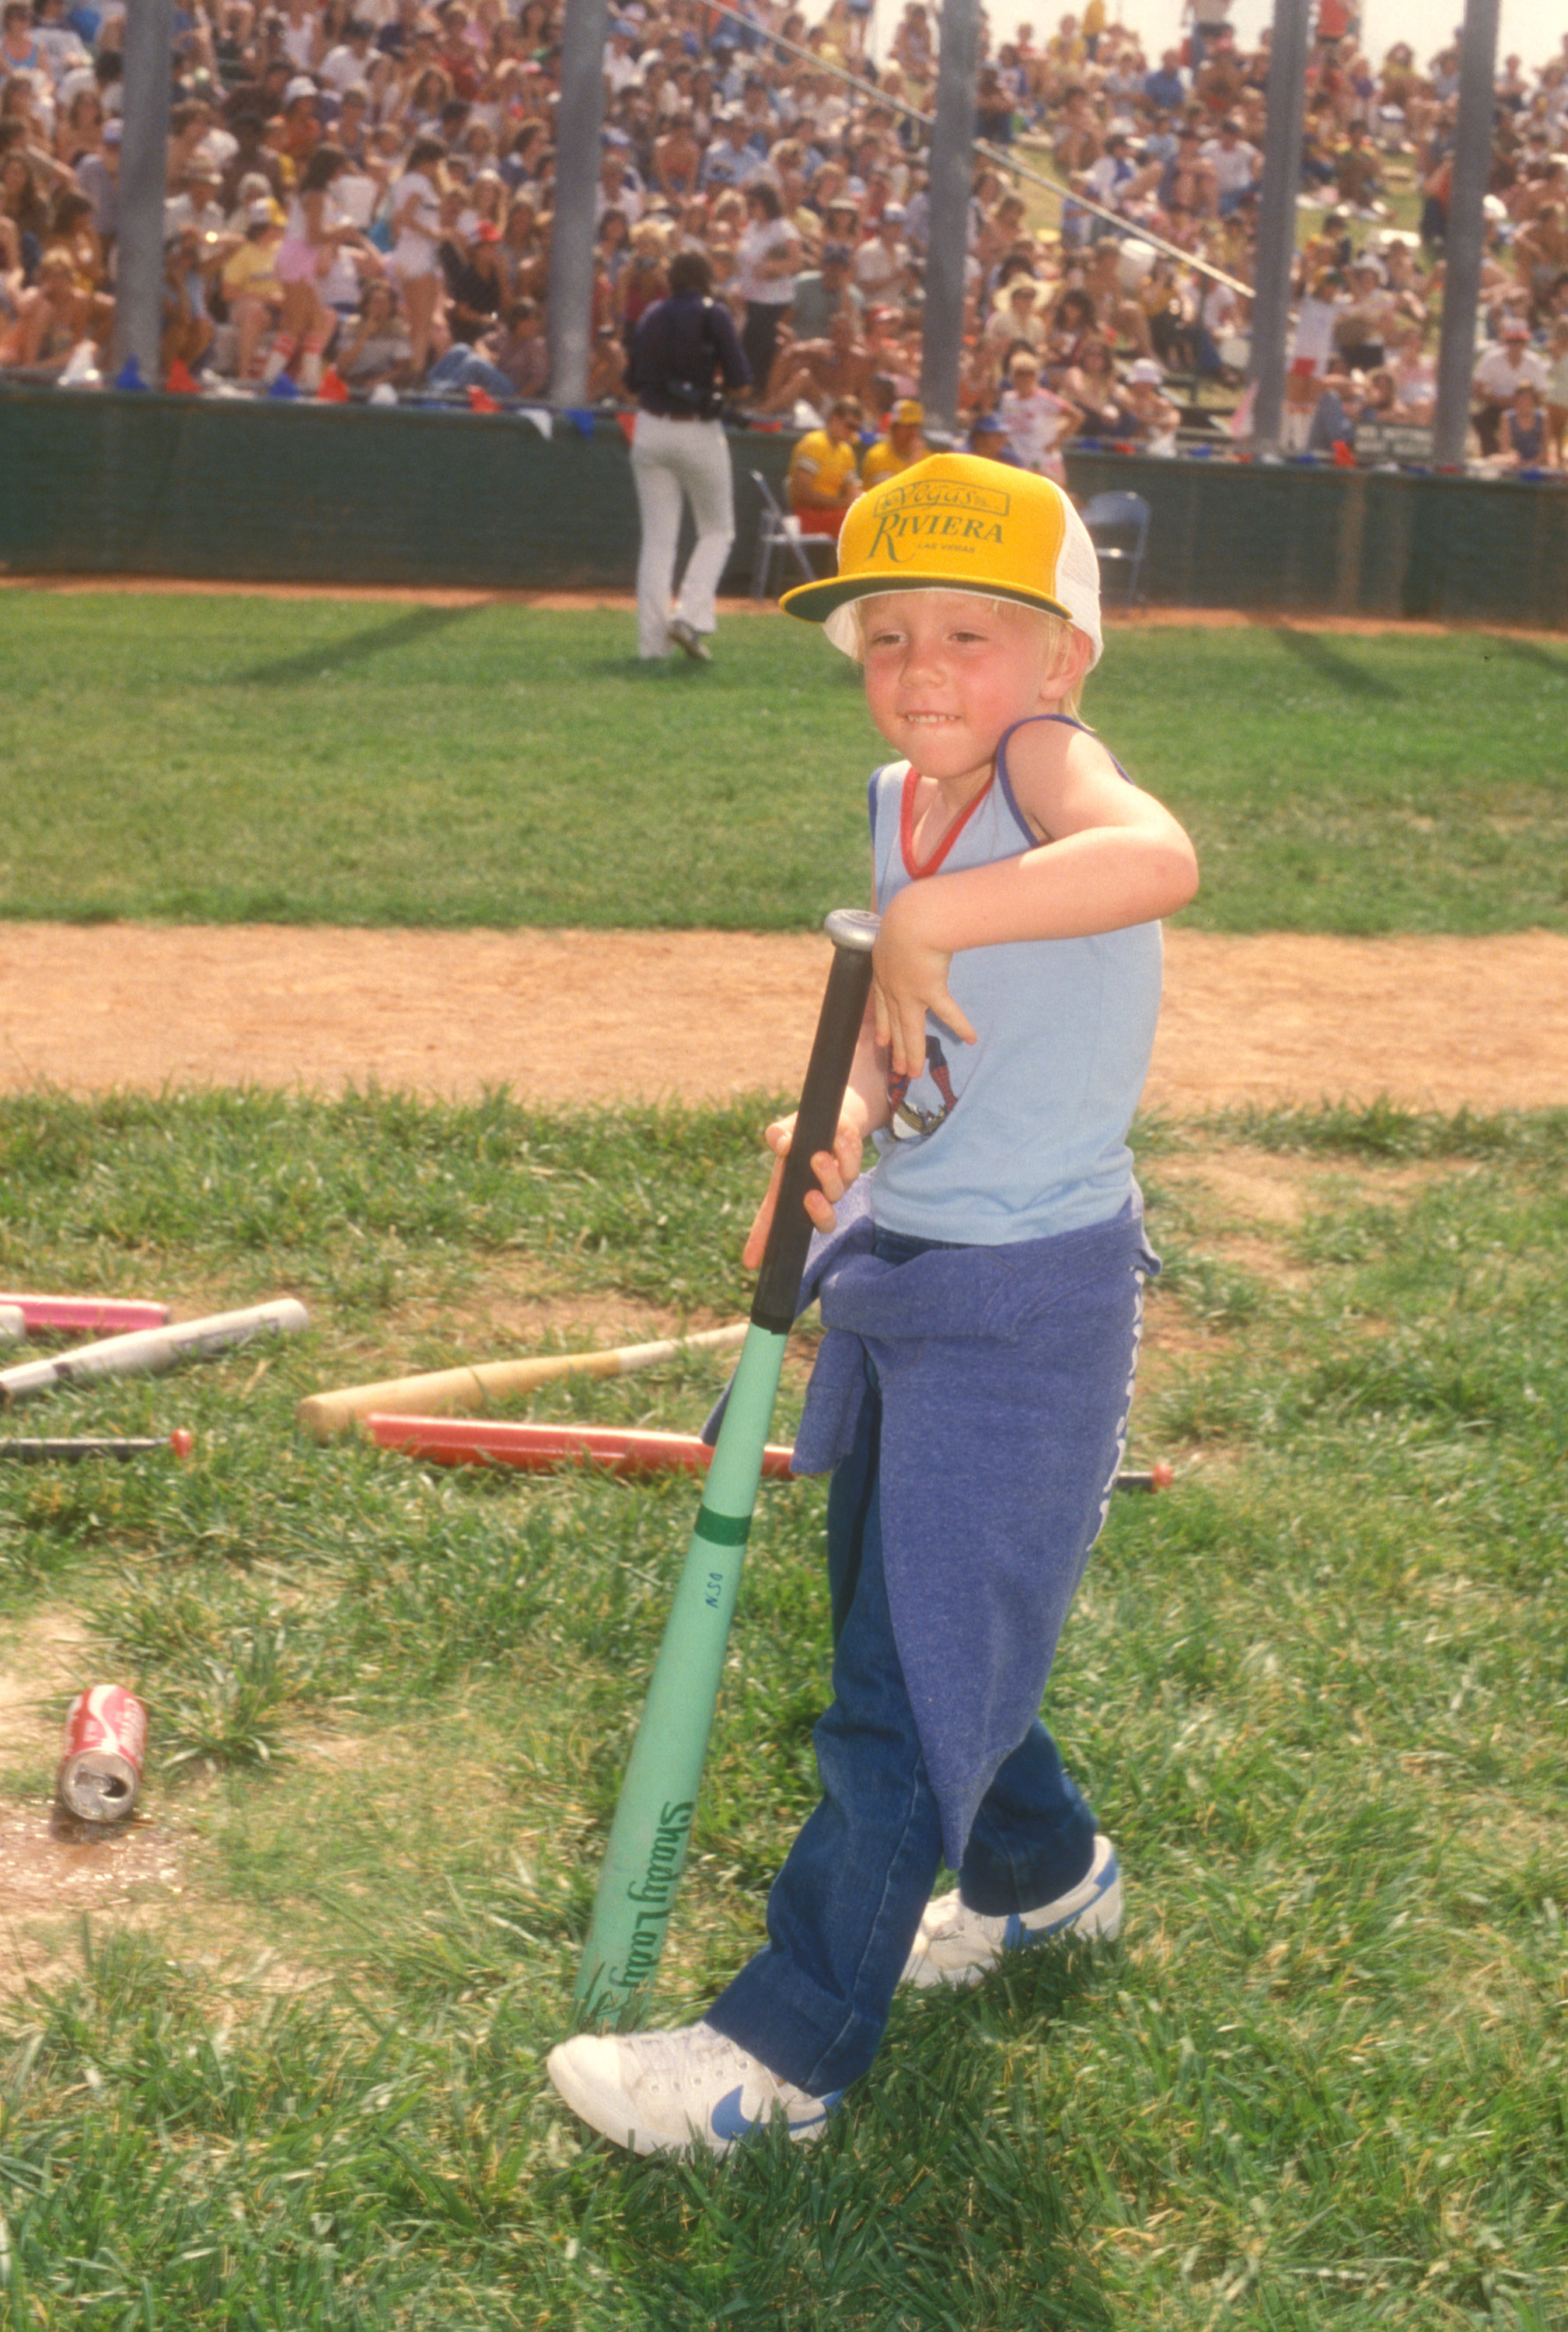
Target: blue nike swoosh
{"points": [[1018, 1937], [728, 2122]]}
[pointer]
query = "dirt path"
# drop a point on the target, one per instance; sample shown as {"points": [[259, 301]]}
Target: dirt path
{"points": [[580, 1017], [575, 1016]]}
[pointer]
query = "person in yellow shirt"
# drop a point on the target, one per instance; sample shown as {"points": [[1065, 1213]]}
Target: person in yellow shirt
{"points": [[902, 447], [251, 287], [825, 469]]}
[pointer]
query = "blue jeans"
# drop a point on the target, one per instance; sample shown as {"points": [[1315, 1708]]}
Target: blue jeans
{"points": [[460, 367], [813, 2005]]}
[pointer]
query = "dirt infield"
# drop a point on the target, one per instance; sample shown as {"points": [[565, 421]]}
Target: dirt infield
{"points": [[583, 1017], [575, 1016]]}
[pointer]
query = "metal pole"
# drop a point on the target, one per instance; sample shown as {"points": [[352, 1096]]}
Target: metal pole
{"points": [[1277, 216], [951, 185], [143, 185], [1464, 242], [579, 120]]}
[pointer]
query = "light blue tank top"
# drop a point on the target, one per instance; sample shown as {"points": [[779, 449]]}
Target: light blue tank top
{"points": [[1023, 1134]]}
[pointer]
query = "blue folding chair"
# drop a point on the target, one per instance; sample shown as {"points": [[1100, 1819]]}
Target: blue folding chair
{"points": [[1118, 527]]}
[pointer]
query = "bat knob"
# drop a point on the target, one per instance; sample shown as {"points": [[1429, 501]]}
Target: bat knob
{"points": [[182, 1441], [855, 928]]}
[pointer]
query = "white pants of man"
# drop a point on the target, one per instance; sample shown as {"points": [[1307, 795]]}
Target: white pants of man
{"points": [[672, 460]]}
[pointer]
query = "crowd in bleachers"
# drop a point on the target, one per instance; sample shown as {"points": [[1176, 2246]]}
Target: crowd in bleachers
{"points": [[359, 197]]}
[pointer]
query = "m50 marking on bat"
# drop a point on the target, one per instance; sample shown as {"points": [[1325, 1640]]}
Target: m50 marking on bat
{"points": [[715, 1587]]}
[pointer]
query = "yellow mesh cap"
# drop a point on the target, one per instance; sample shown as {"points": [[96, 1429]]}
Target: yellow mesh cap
{"points": [[957, 522]]}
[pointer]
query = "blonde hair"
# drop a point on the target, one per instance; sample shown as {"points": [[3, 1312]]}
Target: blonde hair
{"points": [[1058, 632]]}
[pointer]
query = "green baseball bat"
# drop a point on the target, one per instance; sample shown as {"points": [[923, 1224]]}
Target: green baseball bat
{"points": [[652, 1820]]}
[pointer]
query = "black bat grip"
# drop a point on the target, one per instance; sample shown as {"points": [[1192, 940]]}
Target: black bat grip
{"points": [[853, 935]]}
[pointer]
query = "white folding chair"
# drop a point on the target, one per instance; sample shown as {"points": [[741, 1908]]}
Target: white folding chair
{"points": [[779, 530]]}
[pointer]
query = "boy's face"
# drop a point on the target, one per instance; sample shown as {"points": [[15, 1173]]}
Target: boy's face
{"points": [[947, 674]]}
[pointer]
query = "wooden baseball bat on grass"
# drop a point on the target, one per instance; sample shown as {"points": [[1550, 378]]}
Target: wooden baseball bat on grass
{"points": [[449, 1391]]}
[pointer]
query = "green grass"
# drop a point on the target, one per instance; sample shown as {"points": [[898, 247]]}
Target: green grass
{"points": [[1317, 1693], [319, 761]]}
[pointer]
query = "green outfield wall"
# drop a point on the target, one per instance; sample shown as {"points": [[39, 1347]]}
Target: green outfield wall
{"points": [[111, 483]]}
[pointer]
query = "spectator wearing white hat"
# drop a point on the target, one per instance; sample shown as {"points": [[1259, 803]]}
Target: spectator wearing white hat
{"points": [[1361, 327], [1038, 422], [1497, 380], [197, 204], [302, 131], [882, 258], [729, 159], [1154, 418], [251, 291], [1015, 319]]}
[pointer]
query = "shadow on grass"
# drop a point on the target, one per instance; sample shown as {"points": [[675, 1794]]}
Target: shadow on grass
{"points": [[1331, 664], [1530, 651], [376, 639]]}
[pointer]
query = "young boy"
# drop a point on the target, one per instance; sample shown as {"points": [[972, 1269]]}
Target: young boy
{"points": [[982, 1298]]}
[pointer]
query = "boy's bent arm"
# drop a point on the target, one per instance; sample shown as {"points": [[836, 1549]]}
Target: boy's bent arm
{"points": [[1110, 856]]}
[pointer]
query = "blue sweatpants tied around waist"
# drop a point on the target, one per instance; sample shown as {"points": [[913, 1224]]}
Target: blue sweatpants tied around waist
{"points": [[987, 1581]]}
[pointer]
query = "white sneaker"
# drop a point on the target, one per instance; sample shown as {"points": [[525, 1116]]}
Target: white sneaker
{"points": [[953, 1945], [690, 641], [665, 2092]]}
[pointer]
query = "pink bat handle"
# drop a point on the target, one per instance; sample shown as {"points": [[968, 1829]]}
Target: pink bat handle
{"points": [[88, 1315]]}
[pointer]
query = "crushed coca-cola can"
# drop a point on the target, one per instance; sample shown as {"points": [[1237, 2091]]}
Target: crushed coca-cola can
{"points": [[105, 1740]]}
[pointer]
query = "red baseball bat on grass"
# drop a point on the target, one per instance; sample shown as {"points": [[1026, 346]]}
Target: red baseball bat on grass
{"points": [[629, 1451]]}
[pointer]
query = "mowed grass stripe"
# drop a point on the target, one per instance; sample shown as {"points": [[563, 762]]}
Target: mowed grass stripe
{"points": [[332, 761], [1317, 1693]]}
